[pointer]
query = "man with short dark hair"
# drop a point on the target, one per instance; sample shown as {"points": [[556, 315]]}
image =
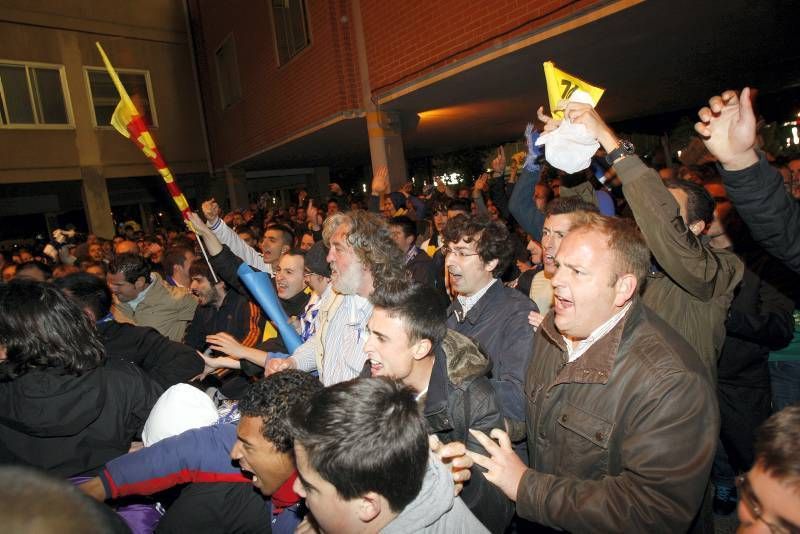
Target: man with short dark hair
{"points": [[176, 262], [404, 232], [492, 315], [622, 420], [409, 341], [363, 463], [143, 298], [770, 493]]}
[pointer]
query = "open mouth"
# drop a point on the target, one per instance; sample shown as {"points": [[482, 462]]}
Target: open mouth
{"points": [[375, 367], [562, 304], [549, 259]]}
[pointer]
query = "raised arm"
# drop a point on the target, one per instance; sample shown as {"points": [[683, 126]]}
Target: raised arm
{"points": [[228, 237], [521, 204], [694, 267], [728, 126]]}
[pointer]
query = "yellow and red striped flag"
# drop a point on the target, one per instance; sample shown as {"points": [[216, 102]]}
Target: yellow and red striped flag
{"points": [[129, 122]]}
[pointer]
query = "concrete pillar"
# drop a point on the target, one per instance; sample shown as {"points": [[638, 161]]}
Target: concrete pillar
{"points": [[386, 146], [237, 188], [96, 203]]}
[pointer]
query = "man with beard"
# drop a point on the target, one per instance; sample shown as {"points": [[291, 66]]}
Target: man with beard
{"points": [[362, 256], [220, 309]]}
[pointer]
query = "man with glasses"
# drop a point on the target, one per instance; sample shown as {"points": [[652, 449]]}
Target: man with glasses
{"points": [[494, 316], [769, 495]]}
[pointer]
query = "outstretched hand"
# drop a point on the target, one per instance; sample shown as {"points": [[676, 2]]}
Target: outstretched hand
{"points": [[728, 127], [226, 344], [276, 365], [455, 455], [504, 468], [380, 182]]}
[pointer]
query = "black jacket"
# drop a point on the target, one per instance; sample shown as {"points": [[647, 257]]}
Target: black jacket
{"points": [[759, 320], [421, 268], [498, 325], [772, 215], [166, 361], [460, 397], [72, 425]]}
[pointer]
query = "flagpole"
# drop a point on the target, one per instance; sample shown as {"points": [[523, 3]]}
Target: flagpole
{"points": [[205, 254], [128, 122]]}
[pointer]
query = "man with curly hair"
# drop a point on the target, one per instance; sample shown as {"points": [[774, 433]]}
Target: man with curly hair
{"points": [[492, 315], [218, 497], [362, 256]]}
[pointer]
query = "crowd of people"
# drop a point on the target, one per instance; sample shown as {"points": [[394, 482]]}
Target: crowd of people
{"points": [[616, 350]]}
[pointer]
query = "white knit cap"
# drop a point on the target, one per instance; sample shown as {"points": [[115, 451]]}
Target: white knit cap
{"points": [[181, 408]]}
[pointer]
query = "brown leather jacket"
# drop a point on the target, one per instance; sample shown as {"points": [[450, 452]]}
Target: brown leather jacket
{"points": [[622, 439]]}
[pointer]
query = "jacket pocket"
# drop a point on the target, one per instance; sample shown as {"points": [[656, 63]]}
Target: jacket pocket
{"points": [[582, 439]]}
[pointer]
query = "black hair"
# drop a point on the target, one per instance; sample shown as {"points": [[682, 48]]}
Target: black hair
{"points": [[408, 226], [273, 398], [566, 205], [491, 238], [200, 267], [174, 255], [87, 291], [699, 204], [132, 266], [287, 233], [365, 435], [459, 204], [422, 310], [41, 328]]}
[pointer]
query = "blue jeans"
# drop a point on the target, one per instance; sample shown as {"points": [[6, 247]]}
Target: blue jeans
{"points": [[785, 381]]}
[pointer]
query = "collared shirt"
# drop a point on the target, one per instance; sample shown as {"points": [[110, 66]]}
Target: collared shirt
{"points": [[583, 345], [308, 319], [140, 297], [468, 302], [344, 341]]}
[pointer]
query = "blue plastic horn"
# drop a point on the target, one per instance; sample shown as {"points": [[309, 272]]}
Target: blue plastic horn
{"points": [[260, 286]]}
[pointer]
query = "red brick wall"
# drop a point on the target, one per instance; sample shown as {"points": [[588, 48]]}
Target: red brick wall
{"points": [[276, 101], [410, 38], [405, 39]]}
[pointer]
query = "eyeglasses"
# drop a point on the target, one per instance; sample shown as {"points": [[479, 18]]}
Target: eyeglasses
{"points": [[751, 501], [457, 253]]}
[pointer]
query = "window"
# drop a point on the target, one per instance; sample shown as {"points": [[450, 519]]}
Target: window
{"points": [[33, 94], [104, 95], [291, 28], [230, 88]]}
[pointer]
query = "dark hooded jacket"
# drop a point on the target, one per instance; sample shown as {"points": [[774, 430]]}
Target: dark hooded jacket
{"points": [[72, 425], [461, 397]]}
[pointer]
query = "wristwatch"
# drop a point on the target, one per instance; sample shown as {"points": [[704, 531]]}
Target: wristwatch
{"points": [[624, 149]]}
